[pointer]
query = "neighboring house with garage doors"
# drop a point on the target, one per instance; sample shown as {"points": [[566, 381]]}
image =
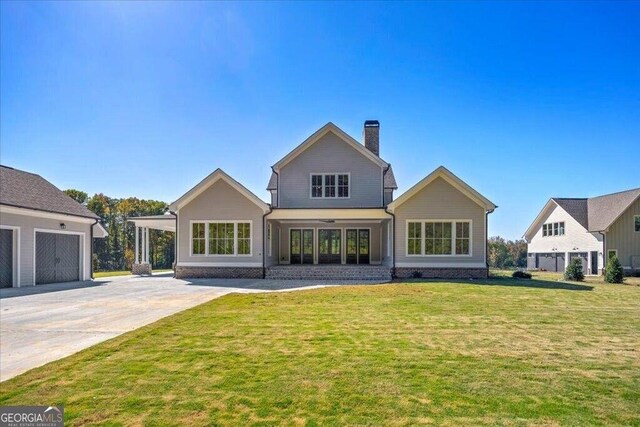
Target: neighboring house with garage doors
{"points": [[45, 235], [592, 229], [332, 214]]}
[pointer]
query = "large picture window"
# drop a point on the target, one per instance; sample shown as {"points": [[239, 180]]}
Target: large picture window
{"points": [[227, 238], [221, 238], [439, 237], [330, 186]]}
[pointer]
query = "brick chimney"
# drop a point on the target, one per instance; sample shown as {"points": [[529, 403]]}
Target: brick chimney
{"points": [[371, 136]]}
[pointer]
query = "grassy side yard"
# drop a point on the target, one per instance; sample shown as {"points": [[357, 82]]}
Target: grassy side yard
{"points": [[540, 353], [559, 277]]}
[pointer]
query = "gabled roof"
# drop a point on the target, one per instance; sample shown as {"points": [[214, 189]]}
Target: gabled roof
{"points": [[329, 127], [594, 214], [448, 176], [30, 191], [577, 208], [605, 210], [390, 179], [211, 179], [552, 203]]}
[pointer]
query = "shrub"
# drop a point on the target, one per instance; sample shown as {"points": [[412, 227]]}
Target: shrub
{"points": [[574, 270], [521, 275], [417, 274], [613, 271]]}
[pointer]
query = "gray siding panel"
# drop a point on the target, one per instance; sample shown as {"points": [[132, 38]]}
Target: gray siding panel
{"points": [[622, 236], [440, 200], [330, 154], [219, 202]]}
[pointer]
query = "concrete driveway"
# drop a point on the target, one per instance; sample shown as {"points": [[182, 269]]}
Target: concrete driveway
{"points": [[40, 324]]}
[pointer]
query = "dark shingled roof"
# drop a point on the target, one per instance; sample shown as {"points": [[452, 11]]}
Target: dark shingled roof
{"points": [[273, 182], [598, 213], [604, 210], [577, 208], [390, 179], [27, 190]]}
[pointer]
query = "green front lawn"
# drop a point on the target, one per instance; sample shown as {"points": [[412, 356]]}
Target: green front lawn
{"points": [[541, 352]]}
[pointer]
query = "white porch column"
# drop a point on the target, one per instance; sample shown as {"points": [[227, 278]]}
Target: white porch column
{"points": [[146, 241], [142, 245], [566, 260], [137, 246]]}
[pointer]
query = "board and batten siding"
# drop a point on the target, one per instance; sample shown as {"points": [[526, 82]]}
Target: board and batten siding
{"points": [[330, 154], [576, 238], [28, 224], [441, 201], [217, 203], [623, 237]]}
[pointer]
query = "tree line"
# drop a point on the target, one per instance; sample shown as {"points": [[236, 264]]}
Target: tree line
{"points": [[507, 253], [117, 251]]}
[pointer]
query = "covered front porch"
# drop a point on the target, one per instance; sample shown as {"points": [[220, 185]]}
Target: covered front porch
{"points": [[356, 237]]}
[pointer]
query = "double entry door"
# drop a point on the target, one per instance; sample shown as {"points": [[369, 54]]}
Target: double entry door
{"points": [[357, 246], [301, 245], [330, 246]]}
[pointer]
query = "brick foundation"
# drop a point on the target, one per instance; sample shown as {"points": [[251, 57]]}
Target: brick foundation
{"points": [[219, 272], [141, 269], [441, 273]]}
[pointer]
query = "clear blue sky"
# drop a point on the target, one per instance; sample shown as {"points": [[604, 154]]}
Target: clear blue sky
{"points": [[524, 101]]}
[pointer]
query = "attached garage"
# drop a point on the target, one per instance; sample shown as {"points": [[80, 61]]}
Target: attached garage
{"points": [[57, 258], [551, 261], [45, 235]]}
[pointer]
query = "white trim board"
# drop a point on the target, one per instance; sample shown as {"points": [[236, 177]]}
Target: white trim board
{"points": [[16, 255], [330, 214], [43, 214]]}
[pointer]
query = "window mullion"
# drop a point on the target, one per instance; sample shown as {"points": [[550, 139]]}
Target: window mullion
{"points": [[235, 238], [206, 238], [454, 250]]}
